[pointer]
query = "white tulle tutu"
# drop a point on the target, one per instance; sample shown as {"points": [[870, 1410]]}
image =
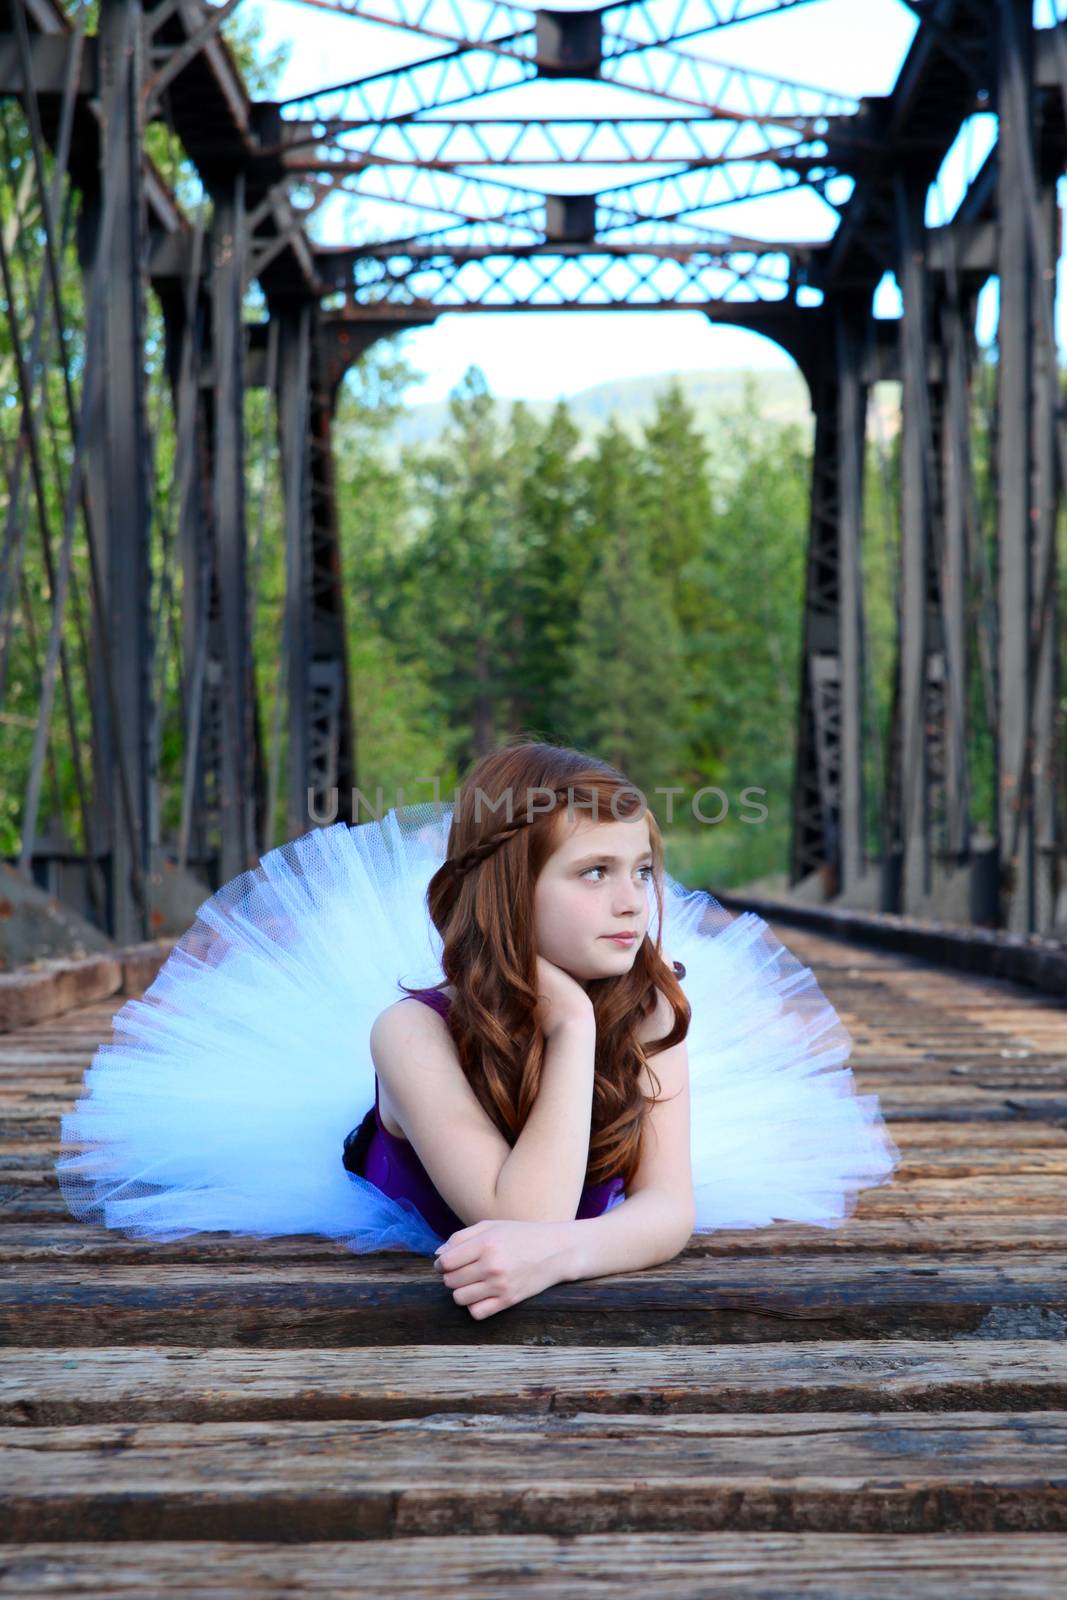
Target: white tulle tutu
{"points": [[224, 1099]]}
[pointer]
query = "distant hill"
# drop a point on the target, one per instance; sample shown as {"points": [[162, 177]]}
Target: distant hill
{"points": [[782, 396]]}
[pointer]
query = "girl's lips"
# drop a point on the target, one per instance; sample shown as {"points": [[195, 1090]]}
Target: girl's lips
{"points": [[622, 938]]}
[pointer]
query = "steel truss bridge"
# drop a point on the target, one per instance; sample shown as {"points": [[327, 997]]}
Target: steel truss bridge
{"points": [[473, 233]]}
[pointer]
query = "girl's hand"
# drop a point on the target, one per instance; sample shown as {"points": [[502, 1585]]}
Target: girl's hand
{"points": [[495, 1264], [560, 997]]}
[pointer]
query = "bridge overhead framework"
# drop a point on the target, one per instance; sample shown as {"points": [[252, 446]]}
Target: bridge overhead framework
{"points": [[151, 594]]}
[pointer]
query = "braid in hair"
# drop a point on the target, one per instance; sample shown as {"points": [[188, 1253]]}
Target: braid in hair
{"points": [[459, 866]]}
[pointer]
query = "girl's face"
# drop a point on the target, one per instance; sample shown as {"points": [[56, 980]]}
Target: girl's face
{"points": [[593, 885]]}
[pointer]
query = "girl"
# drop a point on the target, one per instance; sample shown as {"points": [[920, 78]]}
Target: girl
{"points": [[554, 1096]]}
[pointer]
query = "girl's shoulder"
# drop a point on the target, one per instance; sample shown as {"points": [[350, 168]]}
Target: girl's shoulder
{"points": [[409, 1011], [405, 1032]]}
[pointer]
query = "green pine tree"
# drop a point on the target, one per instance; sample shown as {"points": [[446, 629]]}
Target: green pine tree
{"points": [[626, 694]]}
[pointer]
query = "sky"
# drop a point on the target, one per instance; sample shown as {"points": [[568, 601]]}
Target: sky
{"points": [[852, 47]]}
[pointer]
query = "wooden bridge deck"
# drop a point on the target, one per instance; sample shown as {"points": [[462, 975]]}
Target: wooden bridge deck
{"points": [[873, 1411]]}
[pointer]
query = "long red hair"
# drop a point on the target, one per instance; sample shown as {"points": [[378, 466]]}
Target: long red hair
{"points": [[481, 901]]}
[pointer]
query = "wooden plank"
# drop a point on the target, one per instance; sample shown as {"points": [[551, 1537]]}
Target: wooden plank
{"points": [[624, 1564], [925, 1060], [35, 1159], [938, 1098], [1016, 1133], [190, 1384], [926, 1233], [23, 1198], [936, 1103], [919, 1163], [902, 1097], [39, 1060], [397, 1297], [50, 1064], [448, 1475], [953, 1158], [21, 1201], [1028, 1191], [920, 1204], [23, 1125], [1031, 1192], [1024, 1135], [918, 1066], [59, 1238]]}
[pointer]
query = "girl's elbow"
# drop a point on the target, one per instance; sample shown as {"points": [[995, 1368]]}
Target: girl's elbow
{"points": [[682, 1234]]}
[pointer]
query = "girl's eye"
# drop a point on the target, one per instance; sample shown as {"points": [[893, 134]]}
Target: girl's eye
{"points": [[604, 869]]}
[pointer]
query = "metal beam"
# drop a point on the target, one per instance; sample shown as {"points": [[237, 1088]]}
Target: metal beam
{"points": [[849, 327], [238, 795], [118, 450], [956, 498], [1049, 762], [815, 843], [294, 384], [916, 511], [49, 55], [1015, 375]]}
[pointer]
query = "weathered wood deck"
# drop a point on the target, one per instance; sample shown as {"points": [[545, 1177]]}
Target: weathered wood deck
{"points": [[878, 1410]]}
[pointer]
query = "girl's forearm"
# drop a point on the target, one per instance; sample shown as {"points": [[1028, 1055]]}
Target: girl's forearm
{"points": [[643, 1231], [542, 1178]]}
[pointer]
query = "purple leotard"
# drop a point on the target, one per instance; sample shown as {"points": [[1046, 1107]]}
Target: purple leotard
{"points": [[392, 1165]]}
